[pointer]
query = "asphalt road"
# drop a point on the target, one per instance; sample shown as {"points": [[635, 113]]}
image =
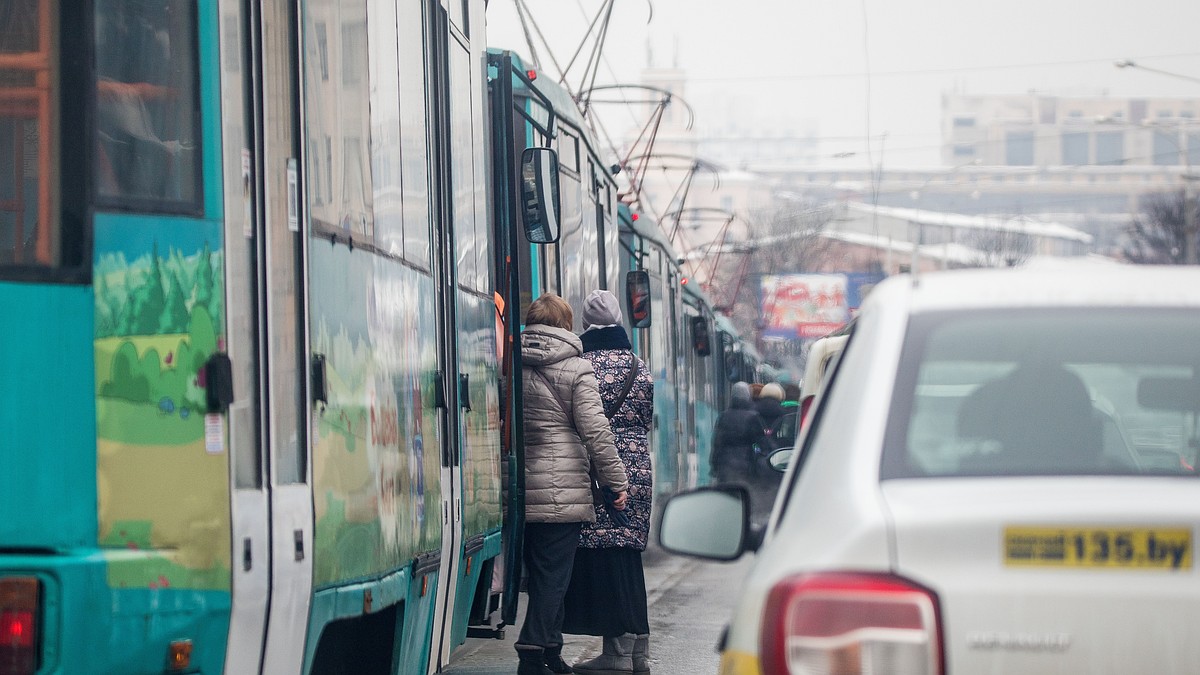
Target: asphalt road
{"points": [[689, 603]]}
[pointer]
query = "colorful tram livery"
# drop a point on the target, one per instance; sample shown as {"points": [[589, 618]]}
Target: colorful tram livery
{"points": [[252, 411], [254, 400]]}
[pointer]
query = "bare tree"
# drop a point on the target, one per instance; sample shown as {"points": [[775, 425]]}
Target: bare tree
{"points": [[783, 239], [1000, 247], [1158, 235]]}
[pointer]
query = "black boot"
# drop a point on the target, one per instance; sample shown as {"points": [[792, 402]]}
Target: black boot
{"points": [[552, 657], [532, 662]]}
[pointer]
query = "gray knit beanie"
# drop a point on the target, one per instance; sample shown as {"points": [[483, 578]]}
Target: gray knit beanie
{"points": [[601, 309]]}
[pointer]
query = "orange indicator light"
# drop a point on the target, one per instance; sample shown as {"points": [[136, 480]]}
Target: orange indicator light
{"points": [[179, 655]]}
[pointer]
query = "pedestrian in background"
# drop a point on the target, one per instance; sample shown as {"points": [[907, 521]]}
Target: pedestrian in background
{"points": [[766, 481], [567, 439], [791, 396], [769, 405], [738, 428], [607, 595]]}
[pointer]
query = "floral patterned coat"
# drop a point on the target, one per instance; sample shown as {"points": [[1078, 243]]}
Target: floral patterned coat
{"points": [[609, 352]]}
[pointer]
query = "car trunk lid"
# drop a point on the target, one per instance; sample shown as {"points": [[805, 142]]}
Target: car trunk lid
{"points": [[1055, 575]]}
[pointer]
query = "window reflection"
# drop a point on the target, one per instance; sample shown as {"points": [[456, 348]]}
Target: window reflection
{"points": [[28, 93], [147, 107], [337, 108]]}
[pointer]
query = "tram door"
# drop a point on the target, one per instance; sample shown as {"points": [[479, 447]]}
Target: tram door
{"points": [[451, 149], [272, 502], [677, 382], [249, 510]]}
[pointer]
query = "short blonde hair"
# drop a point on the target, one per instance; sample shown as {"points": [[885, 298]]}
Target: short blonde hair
{"points": [[550, 310]]}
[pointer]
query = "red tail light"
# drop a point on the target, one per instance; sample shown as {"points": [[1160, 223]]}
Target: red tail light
{"points": [[850, 624], [18, 625], [805, 404]]}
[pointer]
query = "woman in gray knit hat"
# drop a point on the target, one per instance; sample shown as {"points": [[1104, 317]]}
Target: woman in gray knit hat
{"points": [[607, 595]]}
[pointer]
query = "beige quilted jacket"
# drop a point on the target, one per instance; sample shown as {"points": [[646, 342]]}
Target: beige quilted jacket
{"points": [[558, 448]]}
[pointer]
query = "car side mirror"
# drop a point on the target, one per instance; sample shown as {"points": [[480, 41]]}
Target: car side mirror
{"points": [[710, 522], [637, 297], [540, 207], [780, 459]]}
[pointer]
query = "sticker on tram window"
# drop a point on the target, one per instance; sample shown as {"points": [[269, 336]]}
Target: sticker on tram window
{"points": [[1101, 547]]}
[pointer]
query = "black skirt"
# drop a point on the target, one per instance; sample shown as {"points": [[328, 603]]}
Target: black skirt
{"points": [[607, 595]]}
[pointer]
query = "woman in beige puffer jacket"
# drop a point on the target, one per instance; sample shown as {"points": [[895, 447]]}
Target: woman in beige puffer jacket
{"points": [[566, 433]]}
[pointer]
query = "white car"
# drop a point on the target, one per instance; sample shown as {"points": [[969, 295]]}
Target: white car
{"points": [[998, 477], [821, 355]]}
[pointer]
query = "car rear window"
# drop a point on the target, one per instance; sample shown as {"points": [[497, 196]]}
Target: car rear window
{"points": [[1047, 392]]}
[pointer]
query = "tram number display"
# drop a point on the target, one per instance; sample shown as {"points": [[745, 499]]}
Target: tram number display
{"points": [[1107, 547]]}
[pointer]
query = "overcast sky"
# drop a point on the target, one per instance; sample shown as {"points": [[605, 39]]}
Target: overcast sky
{"points": [[806, 66]]}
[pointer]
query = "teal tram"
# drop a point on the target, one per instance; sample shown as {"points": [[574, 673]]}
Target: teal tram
{"points": [[261, 267]]}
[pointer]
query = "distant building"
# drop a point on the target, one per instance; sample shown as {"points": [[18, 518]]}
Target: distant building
{"points": [[1087, 162], [1043, 130]]}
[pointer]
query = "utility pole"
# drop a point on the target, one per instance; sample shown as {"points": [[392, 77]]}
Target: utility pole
{"points": [[1189, 219]]}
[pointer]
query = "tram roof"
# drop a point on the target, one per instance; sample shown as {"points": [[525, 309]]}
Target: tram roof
{"points": [[560, 99], [647, 228]]}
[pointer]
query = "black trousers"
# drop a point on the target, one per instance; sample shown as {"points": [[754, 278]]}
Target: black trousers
{"points": [[549, 556]]}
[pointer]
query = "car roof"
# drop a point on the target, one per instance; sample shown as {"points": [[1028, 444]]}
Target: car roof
{"points": [[1062, 284]]}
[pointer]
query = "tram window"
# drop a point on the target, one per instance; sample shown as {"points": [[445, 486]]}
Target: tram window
{"points": [[340, 156], [568, 151], [41, 223], [414, 146], [147, 136], [26, 135], [462, 170], [383, 72]]}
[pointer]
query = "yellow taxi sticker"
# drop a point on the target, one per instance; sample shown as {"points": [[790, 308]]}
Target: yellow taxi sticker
{"points": [[739, 663], [1108, 547]]}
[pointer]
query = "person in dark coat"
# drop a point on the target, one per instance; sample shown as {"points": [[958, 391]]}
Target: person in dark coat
{"points": [[770, 408], [769, 405], [607, 594], [568, 444], [740, 445], [738, 428]]}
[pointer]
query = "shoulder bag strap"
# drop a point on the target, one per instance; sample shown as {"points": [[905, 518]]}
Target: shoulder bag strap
{"points": [[611, 410]]}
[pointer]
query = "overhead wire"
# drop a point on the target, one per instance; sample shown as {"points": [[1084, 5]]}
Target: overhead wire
{"points": [[744, 78], [587, 83], [520, 6]]}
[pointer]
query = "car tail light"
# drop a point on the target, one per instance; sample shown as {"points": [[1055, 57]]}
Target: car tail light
{"points": [[805, 405], [19, 625], [846, 623]]}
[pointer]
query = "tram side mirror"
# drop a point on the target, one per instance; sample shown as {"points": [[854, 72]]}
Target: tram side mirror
{"points": [[540, 208], [701, 339], [637, 297]]}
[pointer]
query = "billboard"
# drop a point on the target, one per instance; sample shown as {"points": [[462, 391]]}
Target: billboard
{"points": [[858, 285], [803, 305]]}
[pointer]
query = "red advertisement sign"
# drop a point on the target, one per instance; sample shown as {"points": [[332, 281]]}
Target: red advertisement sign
{"points": [[803, 305]]}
